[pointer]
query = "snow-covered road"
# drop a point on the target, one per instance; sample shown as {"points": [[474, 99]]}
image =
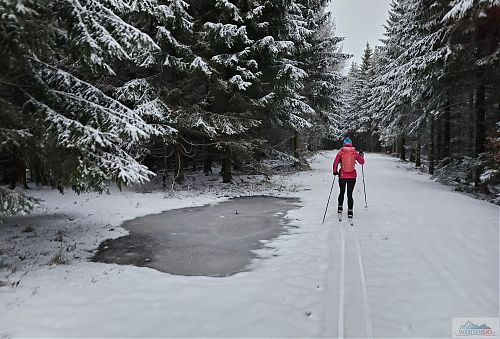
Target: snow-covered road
{"points": [[417, 257]]}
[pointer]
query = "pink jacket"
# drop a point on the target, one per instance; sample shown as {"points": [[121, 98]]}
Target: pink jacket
{"points": [[350, 175]]}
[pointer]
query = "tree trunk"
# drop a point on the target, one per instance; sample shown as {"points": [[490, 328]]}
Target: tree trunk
{"points": [[418, 160], [207, 165], [438, 154], [165, 166], [446, 128], [226, 168], [470, 139], [480, 119], [432, 148], [296, 152], [413, 151], [480, 126], [207, 160], [402, 148], [179, 175]]}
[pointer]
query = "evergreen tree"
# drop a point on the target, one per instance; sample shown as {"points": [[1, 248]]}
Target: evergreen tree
{"points": [[24, 28], [225, 113], [475, 24], [84, 136], [359, 116], [437, 75], [93, 90], [323, 61]]}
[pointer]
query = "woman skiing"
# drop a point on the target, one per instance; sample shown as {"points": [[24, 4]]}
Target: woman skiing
{"points": [[347, 157]]}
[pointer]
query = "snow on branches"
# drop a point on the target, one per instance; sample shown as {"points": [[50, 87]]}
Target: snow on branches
{"points": [[229, 9], [462, 7], [200, 65], [109, 82], [101, 36], [227, 34], [100, 129], [214, 124], [12, 202]]}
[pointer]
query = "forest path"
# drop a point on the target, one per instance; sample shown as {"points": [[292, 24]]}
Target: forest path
{"points": [[428, 254]]}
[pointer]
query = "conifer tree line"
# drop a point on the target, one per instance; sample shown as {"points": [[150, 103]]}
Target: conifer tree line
{"points": [[431, 92], [99, 91]]}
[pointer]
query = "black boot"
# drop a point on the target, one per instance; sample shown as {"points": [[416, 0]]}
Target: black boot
{"points": [[349, 214], [340, 209]]}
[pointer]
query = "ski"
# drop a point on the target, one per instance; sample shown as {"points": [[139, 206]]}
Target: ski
{"points": [[340, 217], [351, 221]]}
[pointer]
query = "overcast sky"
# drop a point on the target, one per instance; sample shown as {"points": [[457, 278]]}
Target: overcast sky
{"points": [[360, 21]]}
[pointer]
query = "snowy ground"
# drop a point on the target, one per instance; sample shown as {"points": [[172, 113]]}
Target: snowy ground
{"points": [[417, 257]]}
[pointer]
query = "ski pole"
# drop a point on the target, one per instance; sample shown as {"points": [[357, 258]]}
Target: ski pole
{"points": [[328, 203], [364, 186]]}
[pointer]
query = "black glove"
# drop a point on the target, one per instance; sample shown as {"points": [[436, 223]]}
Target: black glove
{"points": [[361, 153], [335, 173]]}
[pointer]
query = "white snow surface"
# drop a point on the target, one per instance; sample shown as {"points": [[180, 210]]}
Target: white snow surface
{"points": [[418, 256]]}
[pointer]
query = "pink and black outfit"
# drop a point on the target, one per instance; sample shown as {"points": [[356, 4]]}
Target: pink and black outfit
{"points": [[347, 157]]}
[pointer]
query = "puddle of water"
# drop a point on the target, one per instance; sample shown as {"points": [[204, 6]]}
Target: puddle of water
{"points": [[212, 240]]}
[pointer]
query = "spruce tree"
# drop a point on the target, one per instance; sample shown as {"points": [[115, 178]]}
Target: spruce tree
{"points": [[56, 56], [323, 61], [225, 112]]}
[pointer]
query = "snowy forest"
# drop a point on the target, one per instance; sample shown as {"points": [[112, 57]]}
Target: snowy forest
{"points": [[228, 169], [100, 91], [120, 90], [431, 90]]}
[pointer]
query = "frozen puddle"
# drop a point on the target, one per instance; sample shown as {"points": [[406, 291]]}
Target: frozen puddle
{"points": [[212, 240]]}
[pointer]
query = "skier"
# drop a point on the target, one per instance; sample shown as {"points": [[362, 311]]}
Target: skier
{"points": [[347, 156]]}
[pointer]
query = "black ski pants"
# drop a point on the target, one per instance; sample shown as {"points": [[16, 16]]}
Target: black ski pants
{"points": [[350, 188]]}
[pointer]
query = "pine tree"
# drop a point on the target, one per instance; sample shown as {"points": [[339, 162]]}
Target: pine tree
{"points": [[225, 111], [352, 91], [293, 40], [387, 96], [323, 61], [24, 28], [438, 78], [84, 137], [164, 90], [412, 57], [360, 114], [475, 24]]}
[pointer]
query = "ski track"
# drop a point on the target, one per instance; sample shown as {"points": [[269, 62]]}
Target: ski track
{"points": [[341, 282], [362, 280], [366, 305], [330, 291]]}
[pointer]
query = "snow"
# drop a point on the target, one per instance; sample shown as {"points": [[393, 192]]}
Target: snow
{"points": [[230, 8], [295, 74], [461, 7], [229, 34], [488, 174], [136, 90], [199, 64], [417, 257], [238, 82]]}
